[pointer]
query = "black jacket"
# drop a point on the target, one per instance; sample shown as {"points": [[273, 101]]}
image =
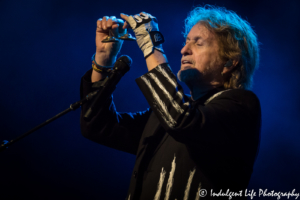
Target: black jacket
{"points": [[181, 146]]}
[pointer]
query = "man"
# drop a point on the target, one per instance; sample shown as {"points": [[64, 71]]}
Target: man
{"points": [[184, 145]]}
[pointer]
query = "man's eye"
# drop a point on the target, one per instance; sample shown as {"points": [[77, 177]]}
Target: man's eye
{"points": [[199, 44]]}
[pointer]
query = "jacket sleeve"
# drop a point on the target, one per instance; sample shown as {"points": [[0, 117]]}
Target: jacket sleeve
{"points": [[121, 131], [167, 100]]}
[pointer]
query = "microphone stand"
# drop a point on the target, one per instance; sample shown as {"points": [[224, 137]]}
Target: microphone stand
{"points": [[73, 107], [105, 88]]}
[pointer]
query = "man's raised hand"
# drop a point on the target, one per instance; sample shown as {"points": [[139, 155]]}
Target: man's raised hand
{"points": [[146, 32], [106, 52]]}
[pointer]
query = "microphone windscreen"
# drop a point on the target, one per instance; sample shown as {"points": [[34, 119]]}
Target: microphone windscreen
{"points": [[126, 59], [123, 64]]}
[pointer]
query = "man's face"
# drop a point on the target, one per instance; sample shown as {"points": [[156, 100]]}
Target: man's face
{"points": [[201, 63]]}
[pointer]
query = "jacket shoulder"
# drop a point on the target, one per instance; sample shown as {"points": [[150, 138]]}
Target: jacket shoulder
{"points": [[238, 95]]}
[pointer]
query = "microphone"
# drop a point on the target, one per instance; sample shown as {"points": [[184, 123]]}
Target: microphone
{"points": [[108, 85]]}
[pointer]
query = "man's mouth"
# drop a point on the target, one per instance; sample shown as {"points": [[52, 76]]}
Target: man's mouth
{"points": [[183, 62], [186, 64]]}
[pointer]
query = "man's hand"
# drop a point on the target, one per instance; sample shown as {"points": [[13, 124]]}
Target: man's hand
{"points": [[146, 32], [106, 52], [148, 38]]}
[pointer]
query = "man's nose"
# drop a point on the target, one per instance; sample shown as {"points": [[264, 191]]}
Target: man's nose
{"points": [[186, 50]]}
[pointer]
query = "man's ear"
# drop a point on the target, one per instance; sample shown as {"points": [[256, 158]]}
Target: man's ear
{"points": [[229, 66]]}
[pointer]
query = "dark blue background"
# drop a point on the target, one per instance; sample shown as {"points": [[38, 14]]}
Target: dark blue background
{"points": [[45, 48]]}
